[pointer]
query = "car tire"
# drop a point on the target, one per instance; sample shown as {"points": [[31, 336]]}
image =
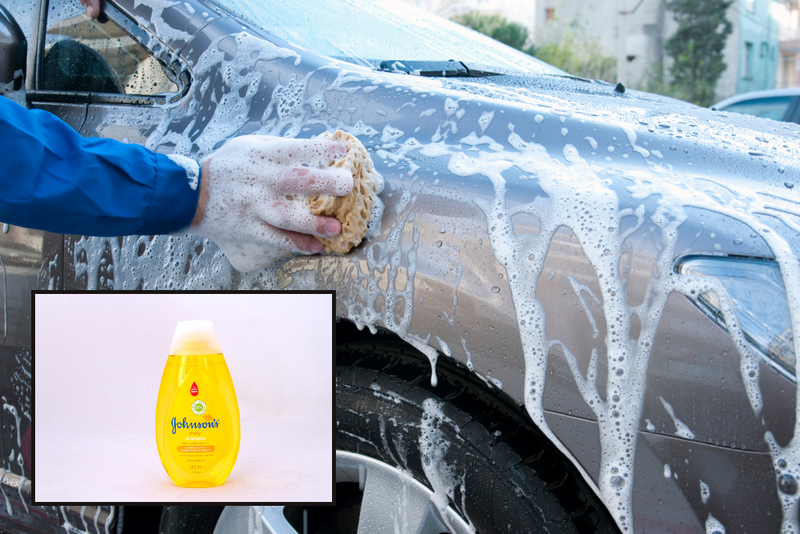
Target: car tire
{"points": [[189, 519], [508, 476]]}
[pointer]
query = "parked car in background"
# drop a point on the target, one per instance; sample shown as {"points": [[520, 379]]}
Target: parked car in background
{"points": [[578, 314], [776, 104]]}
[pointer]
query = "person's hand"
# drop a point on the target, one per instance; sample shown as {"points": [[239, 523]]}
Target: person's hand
{"points": [[92, 8], [253, 201]]}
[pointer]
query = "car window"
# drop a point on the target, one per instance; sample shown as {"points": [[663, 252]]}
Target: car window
{"points": [[367, 32], [84, 55], [769, 108]]}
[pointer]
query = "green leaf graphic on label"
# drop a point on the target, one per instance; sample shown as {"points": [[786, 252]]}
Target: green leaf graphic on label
{"points": [[198, 407]]}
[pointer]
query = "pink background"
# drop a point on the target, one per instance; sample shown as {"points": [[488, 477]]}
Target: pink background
{"points": [[98, 360]]}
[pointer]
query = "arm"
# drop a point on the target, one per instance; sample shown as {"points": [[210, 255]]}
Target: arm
{"points": [[55, 180], [250, 200]]}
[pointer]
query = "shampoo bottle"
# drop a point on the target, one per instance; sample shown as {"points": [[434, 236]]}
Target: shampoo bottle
{"points": [[197, 416]]}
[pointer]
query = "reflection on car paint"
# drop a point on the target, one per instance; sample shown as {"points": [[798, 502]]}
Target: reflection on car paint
{"points": [[580, 196]]}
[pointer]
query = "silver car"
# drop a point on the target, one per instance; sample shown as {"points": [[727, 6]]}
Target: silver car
{"points": [[578, 314], [775, 104]]}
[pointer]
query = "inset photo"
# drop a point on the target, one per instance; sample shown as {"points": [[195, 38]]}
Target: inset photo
{"points": [[183, 397]]}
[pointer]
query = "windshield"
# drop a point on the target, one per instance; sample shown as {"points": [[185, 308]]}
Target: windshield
{"points": [[366, 32]]}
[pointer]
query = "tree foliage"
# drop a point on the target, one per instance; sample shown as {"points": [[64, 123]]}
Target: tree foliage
{"points": [[497, 27], [572, 51], [696, 48], [569, 49]]}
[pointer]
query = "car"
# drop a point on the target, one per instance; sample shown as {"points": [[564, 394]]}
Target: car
{"points": [[577, 315], [776, 104]]}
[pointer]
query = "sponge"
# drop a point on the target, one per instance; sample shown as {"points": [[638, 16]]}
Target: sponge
{"points": [[355, 209]]}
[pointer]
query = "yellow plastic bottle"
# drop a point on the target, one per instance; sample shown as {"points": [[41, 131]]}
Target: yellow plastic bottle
{"points": [[197, 416]]}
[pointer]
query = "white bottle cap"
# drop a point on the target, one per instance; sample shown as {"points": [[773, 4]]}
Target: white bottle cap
{"points": [[194, 338]]}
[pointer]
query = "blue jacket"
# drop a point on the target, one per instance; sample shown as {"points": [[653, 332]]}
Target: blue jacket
{"points": [[53, 179]]}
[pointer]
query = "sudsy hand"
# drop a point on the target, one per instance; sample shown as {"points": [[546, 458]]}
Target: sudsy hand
{"points": [[253, 197]]}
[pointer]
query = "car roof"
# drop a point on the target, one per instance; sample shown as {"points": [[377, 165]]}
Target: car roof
{"points": [[789, 91]]}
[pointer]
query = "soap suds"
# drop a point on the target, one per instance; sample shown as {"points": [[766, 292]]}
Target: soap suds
{"points": [[705, 492], [713, 526], [681, 430], [433, 447]]}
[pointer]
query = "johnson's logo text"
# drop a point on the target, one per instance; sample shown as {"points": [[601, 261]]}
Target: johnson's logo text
{"points": [[185, 424]]}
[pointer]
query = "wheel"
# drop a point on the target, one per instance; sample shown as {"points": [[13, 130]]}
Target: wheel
{"points": [[484, 465]]}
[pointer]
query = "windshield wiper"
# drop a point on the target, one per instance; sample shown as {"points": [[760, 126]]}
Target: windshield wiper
{"points": [[434, 69]]}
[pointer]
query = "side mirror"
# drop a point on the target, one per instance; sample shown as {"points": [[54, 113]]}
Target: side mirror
{"points": [[13, 55]]}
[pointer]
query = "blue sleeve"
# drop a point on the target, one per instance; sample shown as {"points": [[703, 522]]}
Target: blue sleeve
{"points": [[53, 179]]}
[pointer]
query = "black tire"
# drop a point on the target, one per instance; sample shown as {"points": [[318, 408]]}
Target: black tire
{"points": [[514, 479], [189, 519]]}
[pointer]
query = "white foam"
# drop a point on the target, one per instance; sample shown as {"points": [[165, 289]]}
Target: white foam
{"points": [[681, 430], [485, 120], [191, 167], [13, 411], [433, 447], [444, 346], [713, 526], [705, 492]]}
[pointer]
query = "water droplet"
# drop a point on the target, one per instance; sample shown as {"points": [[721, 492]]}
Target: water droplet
{"points": [[615, 398], [495, 289], [618, 482], [782, 463], [787, 484], [788, 184], [438, 244], [737, 241]]}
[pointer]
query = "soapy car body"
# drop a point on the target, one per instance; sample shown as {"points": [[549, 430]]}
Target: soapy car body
{"points": [[557, 238]]}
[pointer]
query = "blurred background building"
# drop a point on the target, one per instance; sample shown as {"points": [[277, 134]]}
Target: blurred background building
{"points": [[762, 50], [789, 62]]}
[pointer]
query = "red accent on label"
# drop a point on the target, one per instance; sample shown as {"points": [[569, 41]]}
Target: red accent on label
{"points": [[194, 391]]}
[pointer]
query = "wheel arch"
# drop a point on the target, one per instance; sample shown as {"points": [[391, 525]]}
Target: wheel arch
{"points": [[508, 419]]}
